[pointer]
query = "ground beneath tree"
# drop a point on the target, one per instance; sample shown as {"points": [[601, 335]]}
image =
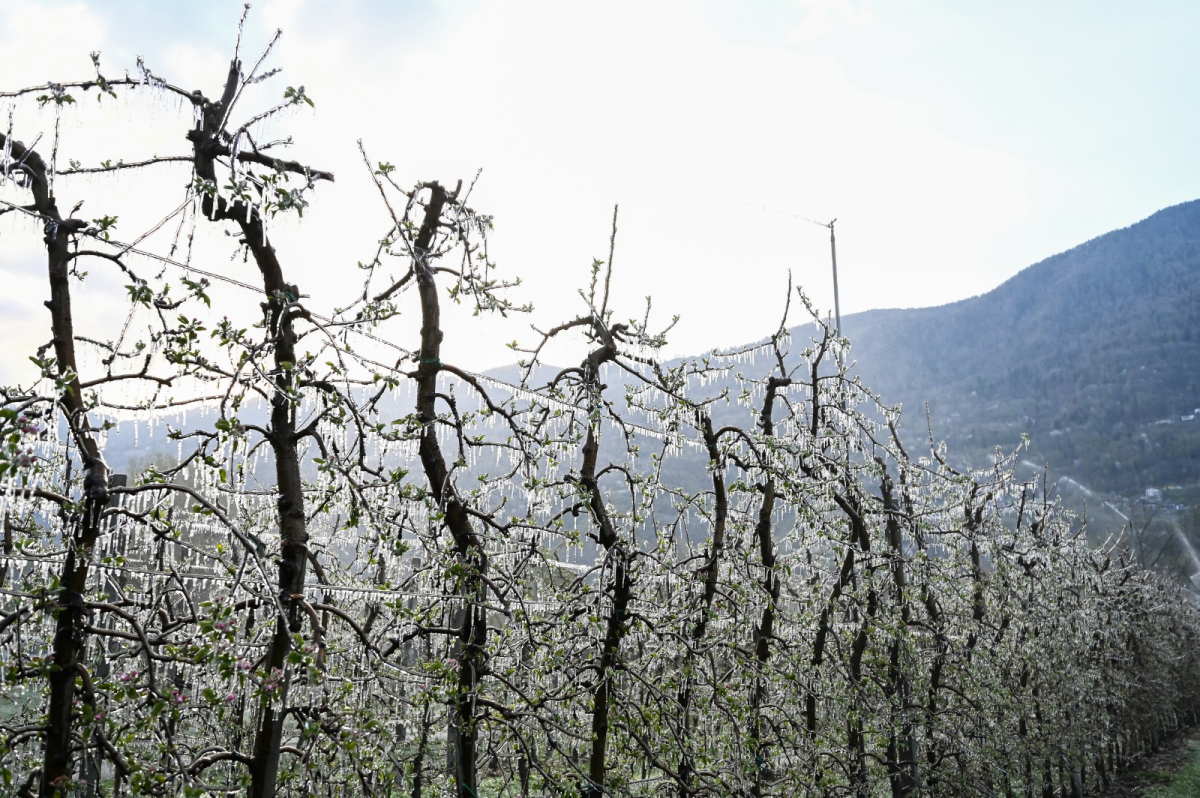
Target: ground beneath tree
{"points": [[1156, 770]]}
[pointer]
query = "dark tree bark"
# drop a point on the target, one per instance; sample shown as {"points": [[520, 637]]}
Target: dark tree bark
{"points": [[468, 549], [207, 145], [711, 572], [902, 741], [69, 639], [765, 631], [620, 559]]}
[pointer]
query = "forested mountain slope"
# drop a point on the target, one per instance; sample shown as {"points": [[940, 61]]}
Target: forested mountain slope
{"points": [[1089, 352]]}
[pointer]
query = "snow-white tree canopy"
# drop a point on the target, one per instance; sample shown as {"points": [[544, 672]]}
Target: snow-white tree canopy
{"points": [[359, 569]]}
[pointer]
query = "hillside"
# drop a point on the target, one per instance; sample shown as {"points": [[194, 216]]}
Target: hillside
{"points": [[1094, 353]]}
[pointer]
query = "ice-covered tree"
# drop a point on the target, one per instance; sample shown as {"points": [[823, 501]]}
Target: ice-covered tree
{"points": [[365, 569]]}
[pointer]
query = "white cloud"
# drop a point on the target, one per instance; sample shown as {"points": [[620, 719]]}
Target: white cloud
{"points": [[29, 55], [28, 58], [570, 108], [824, 16]]}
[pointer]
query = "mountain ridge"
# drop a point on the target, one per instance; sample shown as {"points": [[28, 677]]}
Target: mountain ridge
{"points": [[1090, 352], [1100, 342]]}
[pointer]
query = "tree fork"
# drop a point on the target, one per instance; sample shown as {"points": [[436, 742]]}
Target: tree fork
{"points": [[711, 573], [282, 437], [622, 559], [468, 550], [765, 630], [69, 641]]}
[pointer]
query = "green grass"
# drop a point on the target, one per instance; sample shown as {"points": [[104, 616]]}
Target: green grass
{"points": [[1185, 784]]}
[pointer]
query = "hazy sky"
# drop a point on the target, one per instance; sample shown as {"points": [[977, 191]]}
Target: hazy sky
{"points": [[955, 142]]}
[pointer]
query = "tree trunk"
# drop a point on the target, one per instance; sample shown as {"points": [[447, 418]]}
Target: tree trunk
{"points": [[765, 631], [621, 586], [468, 550], [902, 746], [282, 437], [711, 573], [69, 640]]}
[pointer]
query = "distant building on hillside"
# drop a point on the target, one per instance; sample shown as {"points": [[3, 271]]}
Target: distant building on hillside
{"points": [[1153, 494]]}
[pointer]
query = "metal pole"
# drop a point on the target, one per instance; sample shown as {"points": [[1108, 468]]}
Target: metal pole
{"points": [[837, 309]]}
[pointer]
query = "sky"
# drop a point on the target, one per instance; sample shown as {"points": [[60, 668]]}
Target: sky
{"points": [[955, 143]]}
